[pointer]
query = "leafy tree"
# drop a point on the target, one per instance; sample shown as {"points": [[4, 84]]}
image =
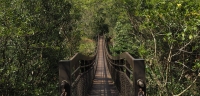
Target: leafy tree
{"points": [[34, 36], [165, 33]]}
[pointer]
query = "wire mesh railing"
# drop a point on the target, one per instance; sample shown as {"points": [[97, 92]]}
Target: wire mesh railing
{"points": [[76, 75], [127, 72]]}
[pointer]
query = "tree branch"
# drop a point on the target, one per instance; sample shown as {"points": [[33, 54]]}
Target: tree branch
{"points": [[186, 88]]}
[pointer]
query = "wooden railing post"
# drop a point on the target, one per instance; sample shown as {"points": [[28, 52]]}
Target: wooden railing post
{"points": [[139, 80], [65, 77]]}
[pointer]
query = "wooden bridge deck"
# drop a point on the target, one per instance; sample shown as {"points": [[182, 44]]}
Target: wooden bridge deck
{"points": [[103, 84]]}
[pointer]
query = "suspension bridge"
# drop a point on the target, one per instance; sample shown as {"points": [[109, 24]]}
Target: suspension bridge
{"points": [[102, 74]]}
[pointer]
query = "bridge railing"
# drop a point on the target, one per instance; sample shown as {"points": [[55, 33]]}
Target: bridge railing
{"points": [[76, 75], [127, 73]]}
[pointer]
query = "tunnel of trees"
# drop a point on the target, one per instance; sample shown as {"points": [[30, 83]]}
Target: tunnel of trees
{"points": [[36, 34]]}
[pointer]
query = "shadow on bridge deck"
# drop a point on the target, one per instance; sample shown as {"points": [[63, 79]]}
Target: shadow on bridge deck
{"points": [[103, 84]]}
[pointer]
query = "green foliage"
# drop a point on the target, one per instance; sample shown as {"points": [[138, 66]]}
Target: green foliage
{"points": [[34, 36], [173, 27], [87, 46], [166, 34], [121, 36]]}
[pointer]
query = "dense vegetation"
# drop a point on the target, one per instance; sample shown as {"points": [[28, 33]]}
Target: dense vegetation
{"points": [[166, 34], [36, 34]]}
